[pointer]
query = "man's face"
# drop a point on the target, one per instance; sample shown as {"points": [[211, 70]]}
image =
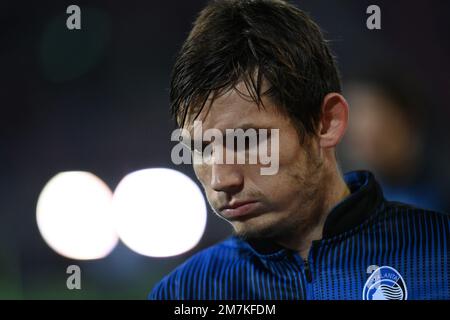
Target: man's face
{"points": [[267, 206]]}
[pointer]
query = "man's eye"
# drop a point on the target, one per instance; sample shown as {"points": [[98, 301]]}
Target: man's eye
{"points": [[200, 149], [249, 142]]}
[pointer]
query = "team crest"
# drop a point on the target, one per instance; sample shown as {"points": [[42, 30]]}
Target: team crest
{"points": [[385, 283]]}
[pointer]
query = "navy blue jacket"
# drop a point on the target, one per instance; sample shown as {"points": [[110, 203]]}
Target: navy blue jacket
{"points": [[371, 249]]}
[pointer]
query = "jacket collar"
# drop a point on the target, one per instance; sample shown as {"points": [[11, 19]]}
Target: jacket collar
{"points": [[365, 197]]}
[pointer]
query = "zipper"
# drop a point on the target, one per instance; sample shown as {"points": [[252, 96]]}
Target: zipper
{"points": [[308, 274], [306, 269], [307, 278]]}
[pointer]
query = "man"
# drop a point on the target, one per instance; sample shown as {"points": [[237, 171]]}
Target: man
{"points": [[306, 232]]}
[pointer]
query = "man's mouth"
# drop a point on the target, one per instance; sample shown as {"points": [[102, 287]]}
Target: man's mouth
{"points": [[238, 209]]}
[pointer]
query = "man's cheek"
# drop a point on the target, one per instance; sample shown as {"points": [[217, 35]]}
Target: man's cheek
{"points": [[202, 174]]}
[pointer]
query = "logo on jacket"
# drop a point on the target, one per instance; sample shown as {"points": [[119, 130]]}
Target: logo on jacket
{"points": [[385, 283]]}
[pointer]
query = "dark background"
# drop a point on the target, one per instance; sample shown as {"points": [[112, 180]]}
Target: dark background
{"points": [[97, 100]]}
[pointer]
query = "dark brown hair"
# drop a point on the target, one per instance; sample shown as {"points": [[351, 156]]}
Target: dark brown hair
{"points": [[252, 41]]}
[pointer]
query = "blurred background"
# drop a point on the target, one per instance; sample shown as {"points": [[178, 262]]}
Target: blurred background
{"points": [[96, 100]]}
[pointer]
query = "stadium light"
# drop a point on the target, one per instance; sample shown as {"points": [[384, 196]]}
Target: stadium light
{"points": [[159, 212], [73, 215]]}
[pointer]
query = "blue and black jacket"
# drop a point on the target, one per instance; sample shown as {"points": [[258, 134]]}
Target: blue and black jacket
{"points": [[371, 249]]}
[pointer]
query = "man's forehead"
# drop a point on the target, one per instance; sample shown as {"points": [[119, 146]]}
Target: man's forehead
{"points": [[235, 125], [236, 100], [233, 109], [230, 122]]}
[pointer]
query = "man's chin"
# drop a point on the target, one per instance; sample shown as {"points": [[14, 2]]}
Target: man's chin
{"points": [[255, 229]]}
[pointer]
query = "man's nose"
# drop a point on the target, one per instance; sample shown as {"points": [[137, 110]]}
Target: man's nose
{"points": [[226, 178]]}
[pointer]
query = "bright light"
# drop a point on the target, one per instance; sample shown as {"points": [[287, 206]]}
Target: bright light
{"points": [[159, 212], [74, 216]]}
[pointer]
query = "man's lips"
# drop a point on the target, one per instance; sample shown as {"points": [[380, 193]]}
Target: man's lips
{"points": [[239, 209]]}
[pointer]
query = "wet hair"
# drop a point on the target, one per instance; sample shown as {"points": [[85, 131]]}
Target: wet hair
{"points": [[255, 41]]}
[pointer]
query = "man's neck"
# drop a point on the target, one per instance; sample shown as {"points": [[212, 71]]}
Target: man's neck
{"points": [[303, 243]]}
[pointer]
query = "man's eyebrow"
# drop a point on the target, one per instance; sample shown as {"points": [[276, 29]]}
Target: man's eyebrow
{"points": [[244, 126], [250, 125]]}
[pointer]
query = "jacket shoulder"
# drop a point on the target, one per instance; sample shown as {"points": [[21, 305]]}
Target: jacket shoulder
{"points": [[174, 285], [415, 218], [412, 211]]}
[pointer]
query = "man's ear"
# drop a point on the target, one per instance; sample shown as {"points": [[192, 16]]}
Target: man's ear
{"points": [[334, 120]]}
